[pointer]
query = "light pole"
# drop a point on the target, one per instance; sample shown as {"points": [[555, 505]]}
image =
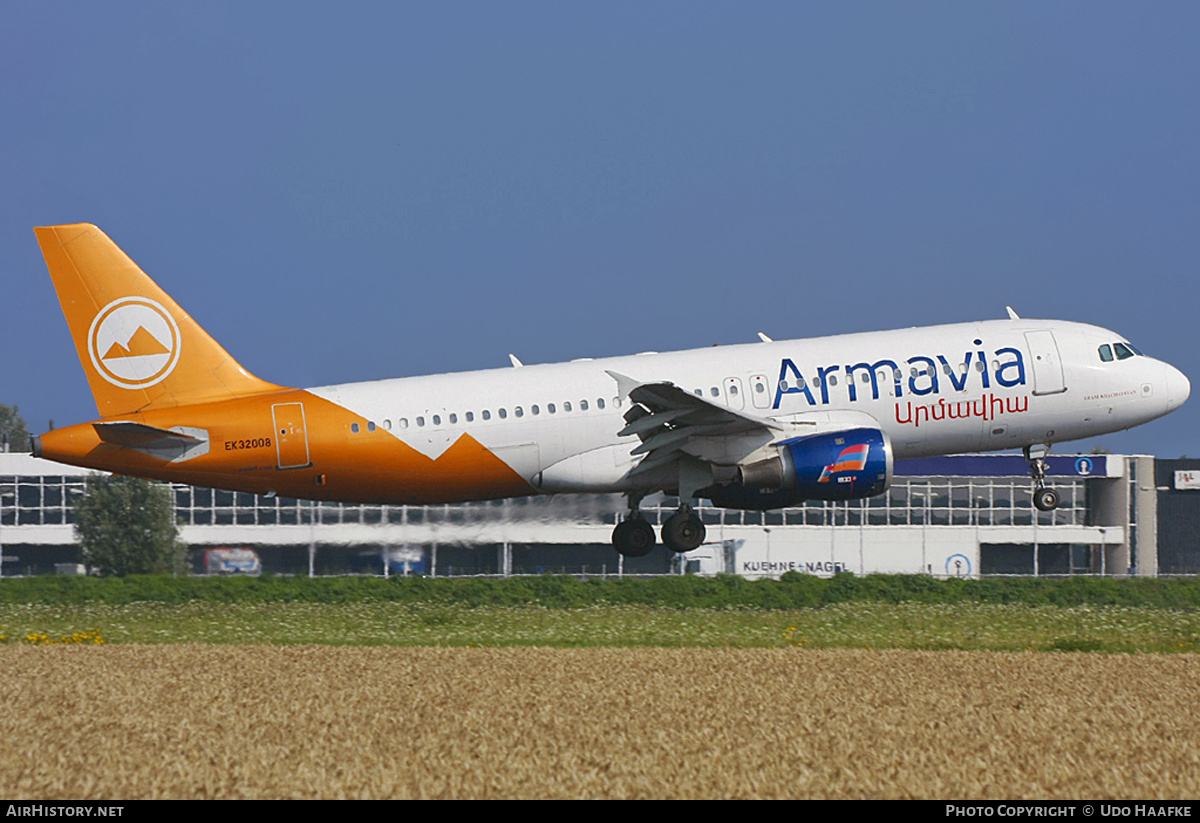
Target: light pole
{"points": [[5, 496], [926, 506]]}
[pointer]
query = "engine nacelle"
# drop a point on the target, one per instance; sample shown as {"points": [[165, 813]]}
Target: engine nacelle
{"points": [[842, 465]]}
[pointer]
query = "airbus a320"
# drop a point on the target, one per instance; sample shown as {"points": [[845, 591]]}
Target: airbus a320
{"points": [[757, 426]]}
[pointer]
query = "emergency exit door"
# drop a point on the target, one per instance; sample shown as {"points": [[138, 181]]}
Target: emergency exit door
{"points": [[1047, 365], [291, 437]]}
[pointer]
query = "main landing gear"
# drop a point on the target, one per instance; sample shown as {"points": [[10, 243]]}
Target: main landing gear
{"points": [[684, 530], [634, 537], [1044, 499]]}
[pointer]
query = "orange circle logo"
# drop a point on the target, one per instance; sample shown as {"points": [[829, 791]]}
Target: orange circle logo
{"points": [[134, 343]]}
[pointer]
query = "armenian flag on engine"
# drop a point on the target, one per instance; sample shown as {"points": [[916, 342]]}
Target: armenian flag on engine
{"points": [[852, 459]]}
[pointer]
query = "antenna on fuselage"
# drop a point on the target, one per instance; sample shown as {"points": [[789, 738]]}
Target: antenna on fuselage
{"points": [[764, 338], [516, 363], [1012, 315]]}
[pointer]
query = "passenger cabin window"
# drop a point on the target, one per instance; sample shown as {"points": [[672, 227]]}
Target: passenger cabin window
{"points": [[370, 426], [470, 417], [487, 415], [354, 428], [1106, 353], [567, 406], [503, 414], [453, 418], [599, 402], [404, 422], [420, 421], [550, 408], [437, 420], [583, 405]]}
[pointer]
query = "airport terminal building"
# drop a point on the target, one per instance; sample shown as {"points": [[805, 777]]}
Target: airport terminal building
{"points": [[967, 515]]}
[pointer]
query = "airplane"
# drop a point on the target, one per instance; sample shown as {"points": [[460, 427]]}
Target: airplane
{"points": [[755, 426]]}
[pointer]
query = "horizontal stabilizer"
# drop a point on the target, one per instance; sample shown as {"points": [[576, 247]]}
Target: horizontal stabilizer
{"points": [[128, 433], [174, 445]]}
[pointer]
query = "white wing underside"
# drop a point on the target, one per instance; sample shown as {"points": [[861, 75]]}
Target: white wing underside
{"points": [[674, 424]]}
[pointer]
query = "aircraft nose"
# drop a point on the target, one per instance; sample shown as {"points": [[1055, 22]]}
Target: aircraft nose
{"points": [[1179, 388]]}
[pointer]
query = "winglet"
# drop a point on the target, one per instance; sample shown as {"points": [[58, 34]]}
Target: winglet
{"points": [[1012, 315], [624, 384], [516, 363], [764, 338]]}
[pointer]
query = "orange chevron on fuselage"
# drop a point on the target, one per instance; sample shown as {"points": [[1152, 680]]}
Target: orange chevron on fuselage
{"points": [[150, 365], [348, 458]]}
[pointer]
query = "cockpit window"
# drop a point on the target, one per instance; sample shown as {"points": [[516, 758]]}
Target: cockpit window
{"points": [[1123, 351], [1106, 353]]}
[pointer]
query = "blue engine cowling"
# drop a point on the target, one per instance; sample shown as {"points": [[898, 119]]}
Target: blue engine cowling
{"points": [[843, 465]]}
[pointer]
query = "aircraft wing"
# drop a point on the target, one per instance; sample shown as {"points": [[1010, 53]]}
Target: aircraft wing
{"points": [[668, 418]]}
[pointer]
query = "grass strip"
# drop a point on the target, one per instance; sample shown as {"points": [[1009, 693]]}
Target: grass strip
{"points": [[922, 626], [793, 591]]}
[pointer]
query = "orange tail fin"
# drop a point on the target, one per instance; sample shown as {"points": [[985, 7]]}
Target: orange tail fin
{"points": [[138, 348]]}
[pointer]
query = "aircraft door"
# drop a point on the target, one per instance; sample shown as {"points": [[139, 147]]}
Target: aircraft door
{"points": [[760, 392], [291, 436], [1047, 365], [734, 398]]}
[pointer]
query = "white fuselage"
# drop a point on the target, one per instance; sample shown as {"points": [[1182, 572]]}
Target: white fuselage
{"points": [[987, 385]]}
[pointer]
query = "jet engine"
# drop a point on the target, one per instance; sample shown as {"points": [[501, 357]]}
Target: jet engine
{"points": [[841, 465]]}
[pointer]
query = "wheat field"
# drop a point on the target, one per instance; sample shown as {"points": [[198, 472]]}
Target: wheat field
{"points": [[204, 721]]}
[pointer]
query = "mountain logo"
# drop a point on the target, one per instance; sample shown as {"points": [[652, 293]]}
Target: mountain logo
{"points": [[134, 343]]}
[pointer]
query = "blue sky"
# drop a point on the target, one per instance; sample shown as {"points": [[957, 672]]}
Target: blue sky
{"points": [[367, 190]]}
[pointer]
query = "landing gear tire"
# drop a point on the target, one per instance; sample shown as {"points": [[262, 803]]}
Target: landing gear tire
{"points": [[1046, 500], [633, 537], [683, 531]]}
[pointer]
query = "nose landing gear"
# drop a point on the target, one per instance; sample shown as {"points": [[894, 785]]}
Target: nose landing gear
{"points": [[1044, 499]]}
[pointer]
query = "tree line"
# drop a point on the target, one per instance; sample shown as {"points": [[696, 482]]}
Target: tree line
{"points": [[125, 525]]}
